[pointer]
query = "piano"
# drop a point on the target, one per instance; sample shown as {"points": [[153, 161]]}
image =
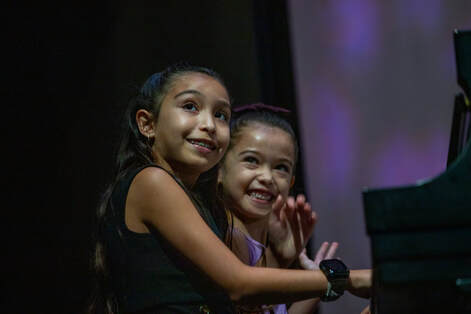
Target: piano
{"points": [[420, 234]]}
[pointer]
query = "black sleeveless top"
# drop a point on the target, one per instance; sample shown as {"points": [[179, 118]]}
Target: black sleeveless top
{"points": [[149, 275]]}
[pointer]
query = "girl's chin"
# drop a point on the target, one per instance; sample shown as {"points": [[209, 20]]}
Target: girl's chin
{"points": [[202, 165], [251, 212]]}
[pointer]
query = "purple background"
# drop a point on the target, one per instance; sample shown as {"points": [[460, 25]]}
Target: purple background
{"points": [[375, 83]]}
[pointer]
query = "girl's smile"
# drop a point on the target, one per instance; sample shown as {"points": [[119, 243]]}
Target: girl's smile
{"points": [[261, 196], [203, 145]]}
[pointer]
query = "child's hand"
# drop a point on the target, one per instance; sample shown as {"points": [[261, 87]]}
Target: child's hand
{"points": [[290, 226], [324, 252]]}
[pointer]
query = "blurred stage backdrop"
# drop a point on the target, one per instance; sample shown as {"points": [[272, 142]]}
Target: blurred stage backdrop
{"points": [[370, 84], [375, 84]]}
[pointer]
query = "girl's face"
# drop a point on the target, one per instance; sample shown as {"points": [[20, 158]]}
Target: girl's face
{"points": [[257, 168], [192, 131]]}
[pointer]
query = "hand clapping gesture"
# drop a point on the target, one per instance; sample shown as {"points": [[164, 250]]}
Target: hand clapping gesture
{"points": [[290, 226]]}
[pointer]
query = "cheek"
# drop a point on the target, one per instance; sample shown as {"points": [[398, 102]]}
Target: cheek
{"points": [[232, 191], [224, 137], [238, 181], [284, 187], [185, 124]]}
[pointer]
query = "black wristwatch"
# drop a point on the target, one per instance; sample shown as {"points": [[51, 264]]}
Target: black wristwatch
{"points": [[337, 274]]}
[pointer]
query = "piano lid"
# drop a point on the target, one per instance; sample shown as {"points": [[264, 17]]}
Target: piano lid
{"points": [[420, 234], [462, 40], [460, 131]]}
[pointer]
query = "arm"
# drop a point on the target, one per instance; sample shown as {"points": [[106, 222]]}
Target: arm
{"points": [[157, 200]]}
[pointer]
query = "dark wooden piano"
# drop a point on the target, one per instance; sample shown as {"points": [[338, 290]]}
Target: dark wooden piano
{"points": [[420, 234]]}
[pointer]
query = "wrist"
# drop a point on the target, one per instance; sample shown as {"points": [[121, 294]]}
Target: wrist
{"points": [[359, 283], [359, 279], [337, 274]]}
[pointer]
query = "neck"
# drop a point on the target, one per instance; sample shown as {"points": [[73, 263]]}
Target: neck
{"points": [[257, 229], [188, 179]]}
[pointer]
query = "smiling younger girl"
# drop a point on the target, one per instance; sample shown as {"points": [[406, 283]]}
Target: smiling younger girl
{"points": [[257, 168], [158, 249]]}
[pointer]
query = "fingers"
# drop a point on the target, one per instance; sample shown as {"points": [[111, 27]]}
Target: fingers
{"points": [[307, 218], [278, 206], [326, 252], [300, 206], [332, 250], [290, 207], [300, 200], [321, 253], [311, 216], [306, 262], [303, 207], [303, 254]]}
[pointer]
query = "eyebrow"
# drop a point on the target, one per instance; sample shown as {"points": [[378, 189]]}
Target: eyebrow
{"points": [[254, 151], [195, 92], [188, 91]]}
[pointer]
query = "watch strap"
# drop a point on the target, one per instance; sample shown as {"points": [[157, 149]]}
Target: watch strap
{"points": [[330, 294]]}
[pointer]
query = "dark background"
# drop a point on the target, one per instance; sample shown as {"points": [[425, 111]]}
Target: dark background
{"points": [[70, 69], [375, 83]]}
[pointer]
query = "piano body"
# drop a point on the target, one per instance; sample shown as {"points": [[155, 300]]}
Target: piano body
{"points": [[420, 235]]}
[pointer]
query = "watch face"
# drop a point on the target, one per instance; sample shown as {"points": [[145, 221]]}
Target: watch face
{"points": [[333, 266], [337, 266]]}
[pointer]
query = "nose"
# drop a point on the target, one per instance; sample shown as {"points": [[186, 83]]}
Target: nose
{"points": [[265, 176], [207, 123]]}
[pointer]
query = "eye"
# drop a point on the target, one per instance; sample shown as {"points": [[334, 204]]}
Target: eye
{"points": [[222, 115], [283, 168], [251, 160], [190, 107]]}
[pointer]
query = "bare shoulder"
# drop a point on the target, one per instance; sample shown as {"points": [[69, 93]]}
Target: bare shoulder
{"points": [[153, 179], [153, 190], [144, 189]]}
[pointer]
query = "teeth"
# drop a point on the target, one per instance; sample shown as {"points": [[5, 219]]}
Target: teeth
{"points": [[201, 144], [262, 196]]}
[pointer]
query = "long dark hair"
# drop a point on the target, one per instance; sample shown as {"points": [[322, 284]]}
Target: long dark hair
{"points": [[135, 151]]}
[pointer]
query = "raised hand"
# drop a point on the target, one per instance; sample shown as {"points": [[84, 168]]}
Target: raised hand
{"points": [[326, 251], [290, 226]]}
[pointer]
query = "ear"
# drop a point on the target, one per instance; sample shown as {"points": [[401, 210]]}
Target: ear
{"points": [[292, 182], [145, 123]]}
